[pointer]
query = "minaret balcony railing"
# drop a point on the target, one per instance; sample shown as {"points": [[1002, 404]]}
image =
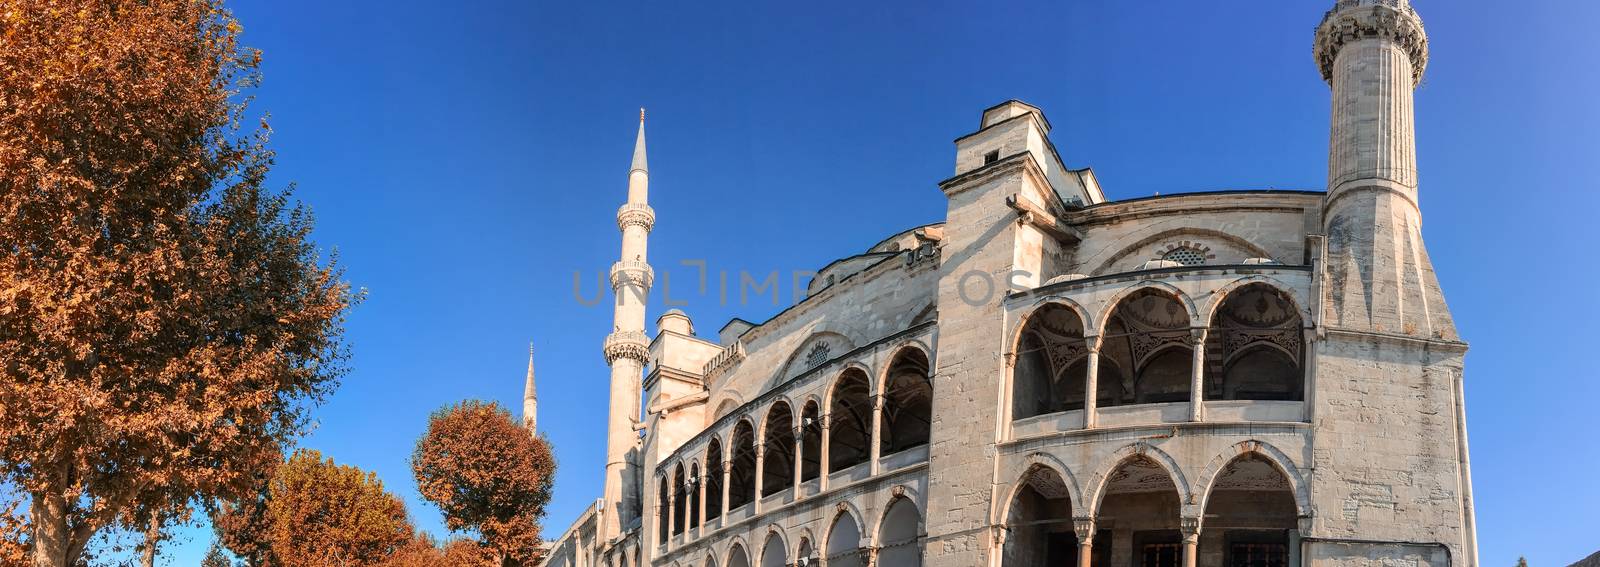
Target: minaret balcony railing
{"points": [[632, 272], [636, 214], [627, 344]]}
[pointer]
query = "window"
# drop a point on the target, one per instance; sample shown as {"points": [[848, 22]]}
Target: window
{"points": [[817, 356], [1258, 555], [1186, 256], [1160, 555], [991, 157]]}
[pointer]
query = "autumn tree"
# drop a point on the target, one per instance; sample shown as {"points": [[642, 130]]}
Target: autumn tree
{"points": [[215, 558], [489, 475], [315, 512], [165, 321]]}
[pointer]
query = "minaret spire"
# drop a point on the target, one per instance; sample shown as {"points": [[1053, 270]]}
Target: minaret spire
{"points": [[530, 397], [627, 349]]}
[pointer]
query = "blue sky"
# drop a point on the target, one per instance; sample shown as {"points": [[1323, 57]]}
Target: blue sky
{"points": [[466, 158]]}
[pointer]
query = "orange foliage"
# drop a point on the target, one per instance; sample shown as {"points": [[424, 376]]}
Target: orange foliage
{"points": [[164, 319], [313, 513], [488, 474]]}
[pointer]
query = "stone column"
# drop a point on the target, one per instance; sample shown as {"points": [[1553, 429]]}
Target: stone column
{"points": [[799, 452], [700, 498], [761, 471], [876, 450], [1294, 548], [672, 511], [1191, 541], [1197, 381], [1086, 530], [1091, 390], [827, 434], [727, 476]]}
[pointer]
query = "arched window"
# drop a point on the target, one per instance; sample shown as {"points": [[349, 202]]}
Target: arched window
{"points": [[850, 421], [738, 557], [694, 497], [742, 479], [773, 554], [844, 543], [663, 518], [1250, 512], [1145, 502], [900, 535], [1185, 255], [908, 403], [806, 553], [777, 473], [810, 442], [1259, 337], [680, 499], [1040, 522], [714, 480], [1148, 332], [1051, 364]]}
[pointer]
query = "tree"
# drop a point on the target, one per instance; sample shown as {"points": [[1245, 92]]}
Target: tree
{"points": [[165, 321], [215, 558], [315, 512], [421, 552], [489, 475], [1522, 562], [14, 546]]}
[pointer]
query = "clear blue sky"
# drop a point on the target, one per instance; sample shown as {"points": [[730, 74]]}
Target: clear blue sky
{"points": [[466, 157]]}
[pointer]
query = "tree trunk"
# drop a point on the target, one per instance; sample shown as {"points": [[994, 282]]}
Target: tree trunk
{"points": [[51, 538], [152, 541]]}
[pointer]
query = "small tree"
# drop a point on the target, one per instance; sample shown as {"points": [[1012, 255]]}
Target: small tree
{"points": [[319, 513], [1522, 562], [489, 475]]}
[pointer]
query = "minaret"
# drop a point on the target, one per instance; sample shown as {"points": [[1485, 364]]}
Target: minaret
{"points": [[627, 348], [530, 398], [1373, 54]]}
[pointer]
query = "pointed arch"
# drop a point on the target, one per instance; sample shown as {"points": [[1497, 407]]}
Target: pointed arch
{"points": [[1158, 286], [849, 420], [899, 534], [1272, 455], [1097, 484], [844, 543], [774, 548], [1221, 294], [907, 401]]}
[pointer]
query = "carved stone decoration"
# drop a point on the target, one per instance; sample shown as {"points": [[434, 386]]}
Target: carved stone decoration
{"points": [[1190, 527], [627, 344], [1355, 20], [634, 273], [899, 490], [636, 214], [1085, 528]]}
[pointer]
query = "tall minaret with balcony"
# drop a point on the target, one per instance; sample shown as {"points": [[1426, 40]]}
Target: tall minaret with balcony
{"points": [[1373, 54], [530, 398], [627, 347], [1386, 405]]}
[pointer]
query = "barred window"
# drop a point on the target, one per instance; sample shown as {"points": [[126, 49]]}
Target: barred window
{"points": [[1186, 256]]}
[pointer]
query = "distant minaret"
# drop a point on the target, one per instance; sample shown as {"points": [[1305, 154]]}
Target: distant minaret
{"points": [[627, 349], [530, 398]]}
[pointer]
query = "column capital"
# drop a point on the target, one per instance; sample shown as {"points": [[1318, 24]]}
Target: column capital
{"points": [[1190, 528], [1085, 528]]}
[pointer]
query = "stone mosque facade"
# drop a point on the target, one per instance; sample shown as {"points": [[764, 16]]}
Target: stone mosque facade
{"points": [[1049, 378]]}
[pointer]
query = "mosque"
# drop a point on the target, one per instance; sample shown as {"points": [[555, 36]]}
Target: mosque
{"points": [[1050, 378]]}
